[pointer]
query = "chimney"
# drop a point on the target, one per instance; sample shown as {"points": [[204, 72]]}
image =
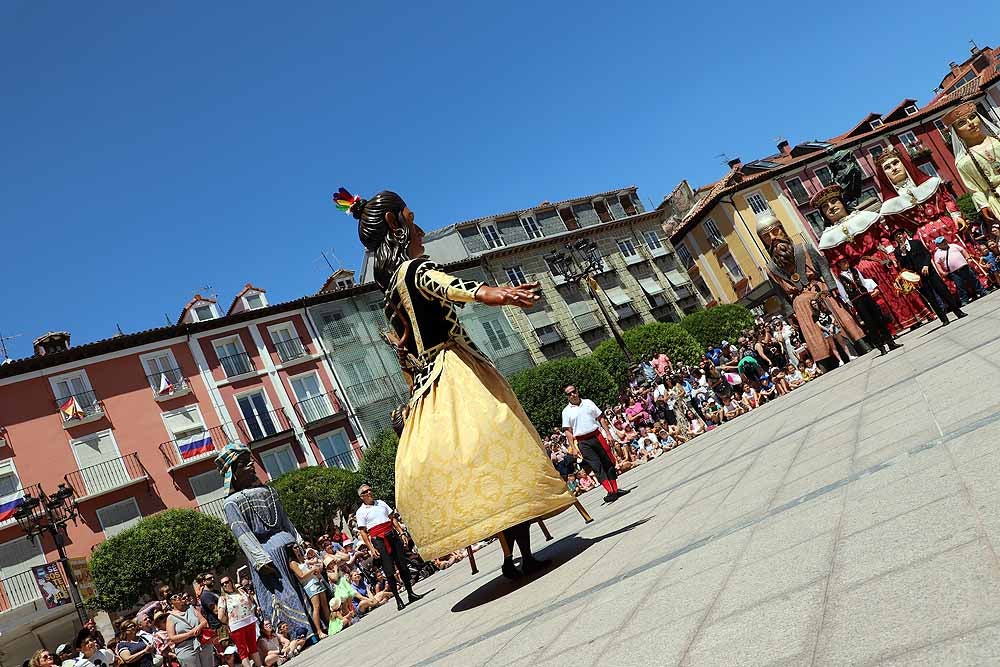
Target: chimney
{"points": [[735, 163], [784, 148], [51, 343], [954, 66]]}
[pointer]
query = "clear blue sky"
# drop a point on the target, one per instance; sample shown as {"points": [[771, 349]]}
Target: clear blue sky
{"points": [[148, 152]]}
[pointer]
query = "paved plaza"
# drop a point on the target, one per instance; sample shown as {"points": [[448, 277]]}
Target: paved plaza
{"points": [[855, 521]]}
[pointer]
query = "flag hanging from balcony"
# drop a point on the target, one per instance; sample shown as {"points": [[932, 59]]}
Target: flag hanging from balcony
{"points": [[202, 445], [8, 508], [70, 409], [166, 386]]}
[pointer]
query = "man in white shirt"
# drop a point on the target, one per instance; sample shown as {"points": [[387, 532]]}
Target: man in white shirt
{"points": [[860, 291], [582, 421], [381, 532]]}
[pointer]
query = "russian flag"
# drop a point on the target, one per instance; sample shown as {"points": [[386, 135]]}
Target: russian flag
{"points": [[202, 445], [8, 508]]}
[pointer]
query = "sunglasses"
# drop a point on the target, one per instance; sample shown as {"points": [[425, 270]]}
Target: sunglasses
{"points": [[366, 492], [571, 393], [225, 582]]}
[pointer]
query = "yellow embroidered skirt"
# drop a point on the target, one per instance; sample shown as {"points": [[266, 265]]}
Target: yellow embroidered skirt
{"points": [[469, 463]]}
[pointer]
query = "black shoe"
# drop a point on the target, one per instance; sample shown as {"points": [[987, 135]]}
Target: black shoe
{"points": [[961, 314], [881, 351], [623, 492], [530, 565], [894, 345], [508, 570], [610, 498], [412, 597], [945, 323], [400, 606]]}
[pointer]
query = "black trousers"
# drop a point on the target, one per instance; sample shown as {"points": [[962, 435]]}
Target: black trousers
{"points": [[873, 322], [390, 561], [598, 459], [933, 288]]}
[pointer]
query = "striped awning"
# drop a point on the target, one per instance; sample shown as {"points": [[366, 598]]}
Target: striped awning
{"points": [[677, 278], [650, 286], [618, 296], [540, 319]]}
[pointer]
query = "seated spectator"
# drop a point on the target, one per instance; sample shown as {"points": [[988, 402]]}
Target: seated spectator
{"points": [[294, 644], [794, 377], [768, 391], [778, 377], [571, 484], [273, 649], [338, 619], [732, 409], [750, 397], [810, 369], [131, 649], [713, 410], [696, 426]]}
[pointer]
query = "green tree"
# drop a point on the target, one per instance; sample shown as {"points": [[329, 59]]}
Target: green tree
{"points": [[172, 546], [313, 496], [714, 325], [378, 467], [968, 208], [540, 389], [644, 341]]}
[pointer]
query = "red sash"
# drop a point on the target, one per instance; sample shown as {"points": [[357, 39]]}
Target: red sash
{"points": [[381, 531]]}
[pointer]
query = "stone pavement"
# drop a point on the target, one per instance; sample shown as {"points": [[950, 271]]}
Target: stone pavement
{"points": [[853, 522]]}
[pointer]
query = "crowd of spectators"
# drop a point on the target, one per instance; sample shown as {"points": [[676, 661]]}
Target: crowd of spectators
{"points": [[664, 404], [218, 622]]}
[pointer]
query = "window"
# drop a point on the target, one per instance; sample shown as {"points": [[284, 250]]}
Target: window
{"points": [[17, 556], [652, 239], [702, 287], [233, 358], [568, 218], [685, 255], [877, 123], [928, 168], [311, 397], [10, 486], [75, 385], [531, 227], [515, 275], [490, 235], [496, 334], [732, 268], [206, 312], [99, 463], [207, 487], [603, 212], [908, 139], [253, 301], [335, 448], [869, 193], [943, 129], [712, 233], [875, 151], [162, 372], [797, 190], [626, 247], [187, 429], [278, 461], [288, 345], [817, 221], [258, 421], [116, 517], [627, 203], [757, 203], [910, 110], [824, 175]]}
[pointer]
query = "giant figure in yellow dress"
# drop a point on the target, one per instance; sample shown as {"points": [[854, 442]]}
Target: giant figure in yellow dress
{"points": [[470, 464]]}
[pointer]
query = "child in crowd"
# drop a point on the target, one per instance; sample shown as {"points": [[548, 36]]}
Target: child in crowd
{"points": [[768, 392], [794, 377], [991, 262], [751, 398], [778, 377], [572, 484], [832, 333], [810, 369], [731, 410]]}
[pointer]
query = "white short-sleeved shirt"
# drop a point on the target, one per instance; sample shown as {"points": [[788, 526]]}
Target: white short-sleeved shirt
{"points": [[583, 418], [369, 516]]}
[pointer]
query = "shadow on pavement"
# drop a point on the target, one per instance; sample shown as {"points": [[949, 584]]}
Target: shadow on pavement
{"points": [[560, 552]]}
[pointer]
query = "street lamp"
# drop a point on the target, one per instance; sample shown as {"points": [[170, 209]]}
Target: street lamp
{"points": [[50, 514], [578, 265]]}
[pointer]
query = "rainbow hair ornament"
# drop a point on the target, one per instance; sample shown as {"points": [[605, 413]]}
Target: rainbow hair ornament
{"points": [[345, 201]]}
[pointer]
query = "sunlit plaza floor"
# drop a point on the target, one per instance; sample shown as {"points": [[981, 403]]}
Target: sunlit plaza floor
{"points": [[855, 521]]}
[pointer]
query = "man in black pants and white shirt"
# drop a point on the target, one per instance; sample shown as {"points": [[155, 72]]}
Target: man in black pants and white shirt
{"points": [[384, 536], [582, 422], [859, 292]]}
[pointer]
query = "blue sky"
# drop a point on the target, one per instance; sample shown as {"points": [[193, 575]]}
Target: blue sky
{"points": [[150, 152]]}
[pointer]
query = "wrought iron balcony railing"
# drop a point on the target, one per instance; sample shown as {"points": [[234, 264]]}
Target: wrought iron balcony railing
{"points": [[264, 425], [195, 446], [237, 364], [106, 476], [375, 390], [317, 408], [290, 349], [18, 589], [344, 460], [168, 383], [214, 508], [79, 407]]}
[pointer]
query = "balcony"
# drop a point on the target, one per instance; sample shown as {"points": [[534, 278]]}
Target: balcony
{"points": [[918, 151], [194, 447], [264, 427], [17, 590], [344, 460], [290, 350], [549, 335], [79, 408], [14, 499], [168, 384], [236, 365], [214, 508], [374, 390], [317, 409], [105, 477]]}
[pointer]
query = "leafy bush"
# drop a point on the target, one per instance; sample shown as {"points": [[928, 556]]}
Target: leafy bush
{"points": [[968, 208], [644, 341], [378, 467], [712, 326], [312, 496], [540, 389], [172, 546]]}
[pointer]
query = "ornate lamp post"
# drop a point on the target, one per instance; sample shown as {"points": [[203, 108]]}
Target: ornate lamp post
{"points": [[50, 513], [578, 265]]}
